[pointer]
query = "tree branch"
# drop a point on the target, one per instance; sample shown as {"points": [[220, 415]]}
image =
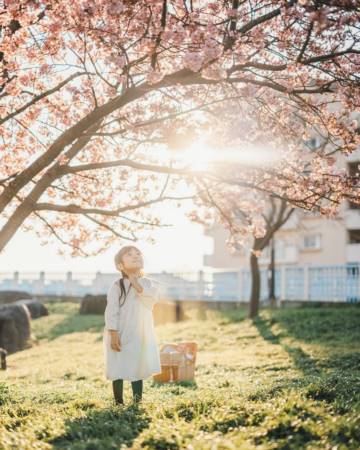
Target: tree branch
{"points": [[52, 229], [259, 20], [75, 209], [39, 97], [134, 165]]}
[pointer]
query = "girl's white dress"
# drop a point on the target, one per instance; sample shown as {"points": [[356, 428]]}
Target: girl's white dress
{"points": [[139, 356]]}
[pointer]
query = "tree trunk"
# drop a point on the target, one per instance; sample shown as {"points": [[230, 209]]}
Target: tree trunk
{"points": [[255, 286], [271, 271]]}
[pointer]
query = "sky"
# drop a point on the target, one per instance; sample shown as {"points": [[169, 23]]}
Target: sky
{"points": [[180, 247]]}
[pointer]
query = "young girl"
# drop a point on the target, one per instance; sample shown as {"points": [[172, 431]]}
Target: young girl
{"points": [[130, 345]]}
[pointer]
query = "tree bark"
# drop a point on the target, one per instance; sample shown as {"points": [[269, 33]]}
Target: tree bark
{"points": [[255, 286]]}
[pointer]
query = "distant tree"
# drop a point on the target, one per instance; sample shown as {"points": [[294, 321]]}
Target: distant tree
{"points": [[275, 217]]}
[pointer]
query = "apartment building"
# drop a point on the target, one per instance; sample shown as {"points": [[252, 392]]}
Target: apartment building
{"points": [[306, 239]]}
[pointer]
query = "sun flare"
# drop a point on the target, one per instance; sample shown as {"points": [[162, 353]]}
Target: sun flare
{"points": [[201, 156]]}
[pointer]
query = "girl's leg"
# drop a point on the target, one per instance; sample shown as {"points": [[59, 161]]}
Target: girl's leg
{"points": [[118, 386], [137, 388]]}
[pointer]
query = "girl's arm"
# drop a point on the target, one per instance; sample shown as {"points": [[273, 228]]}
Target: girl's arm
{"points": [[150, 292], [112, 310]]}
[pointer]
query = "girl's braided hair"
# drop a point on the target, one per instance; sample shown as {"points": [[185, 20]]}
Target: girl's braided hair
{"points": [[118, 259]]}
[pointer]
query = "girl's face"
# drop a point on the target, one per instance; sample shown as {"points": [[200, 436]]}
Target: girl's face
{"points": [[132, 261]]}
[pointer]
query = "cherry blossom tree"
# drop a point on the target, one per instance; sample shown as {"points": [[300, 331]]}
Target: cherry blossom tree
{"points": [[93, 92], [306, 177], [274, 215]]}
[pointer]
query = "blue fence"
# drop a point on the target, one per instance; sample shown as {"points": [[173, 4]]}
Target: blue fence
{"points": [[318, 283]]}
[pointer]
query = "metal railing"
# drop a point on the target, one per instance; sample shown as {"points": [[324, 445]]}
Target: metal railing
{"points": [[319, 283]]}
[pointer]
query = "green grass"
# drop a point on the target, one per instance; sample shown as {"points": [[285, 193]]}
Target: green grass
{"points": [[288, 380]]}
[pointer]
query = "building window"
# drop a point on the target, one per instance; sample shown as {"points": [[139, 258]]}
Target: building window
{"points": [[312, 242], [354, 236], [353, 169]]}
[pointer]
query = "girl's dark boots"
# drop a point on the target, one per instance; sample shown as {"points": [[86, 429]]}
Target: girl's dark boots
{"points": [[137, 389], [118, 389], [118, 386]]}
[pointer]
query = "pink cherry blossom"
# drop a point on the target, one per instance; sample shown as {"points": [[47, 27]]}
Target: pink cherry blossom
{"points": [[92, 93]]}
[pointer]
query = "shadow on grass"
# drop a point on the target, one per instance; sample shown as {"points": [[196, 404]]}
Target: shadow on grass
{"points": [[105, 429], [301, 359], [332, 379], [320, 325]]}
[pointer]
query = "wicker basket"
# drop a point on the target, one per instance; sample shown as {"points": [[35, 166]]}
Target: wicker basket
{"points": [[177, 362], [187, 367]]}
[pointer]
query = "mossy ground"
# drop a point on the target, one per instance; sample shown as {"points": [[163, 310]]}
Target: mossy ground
{"points": [[288, 380]]}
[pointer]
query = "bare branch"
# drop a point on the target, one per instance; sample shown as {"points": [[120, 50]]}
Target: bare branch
{"points": [[75, 209]]}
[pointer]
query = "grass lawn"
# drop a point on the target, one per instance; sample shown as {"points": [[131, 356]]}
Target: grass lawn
{"points": [[288, 380]]}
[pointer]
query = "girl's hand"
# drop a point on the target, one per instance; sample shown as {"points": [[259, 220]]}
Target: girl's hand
{"points": [[115, 341]]}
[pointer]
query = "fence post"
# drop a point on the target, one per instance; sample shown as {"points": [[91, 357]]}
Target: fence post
{"points": [[41, 285], [96, 283], [69, 283], [282, 284], [306, 283], [240, 284], [200, 289], [16, 280]]}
